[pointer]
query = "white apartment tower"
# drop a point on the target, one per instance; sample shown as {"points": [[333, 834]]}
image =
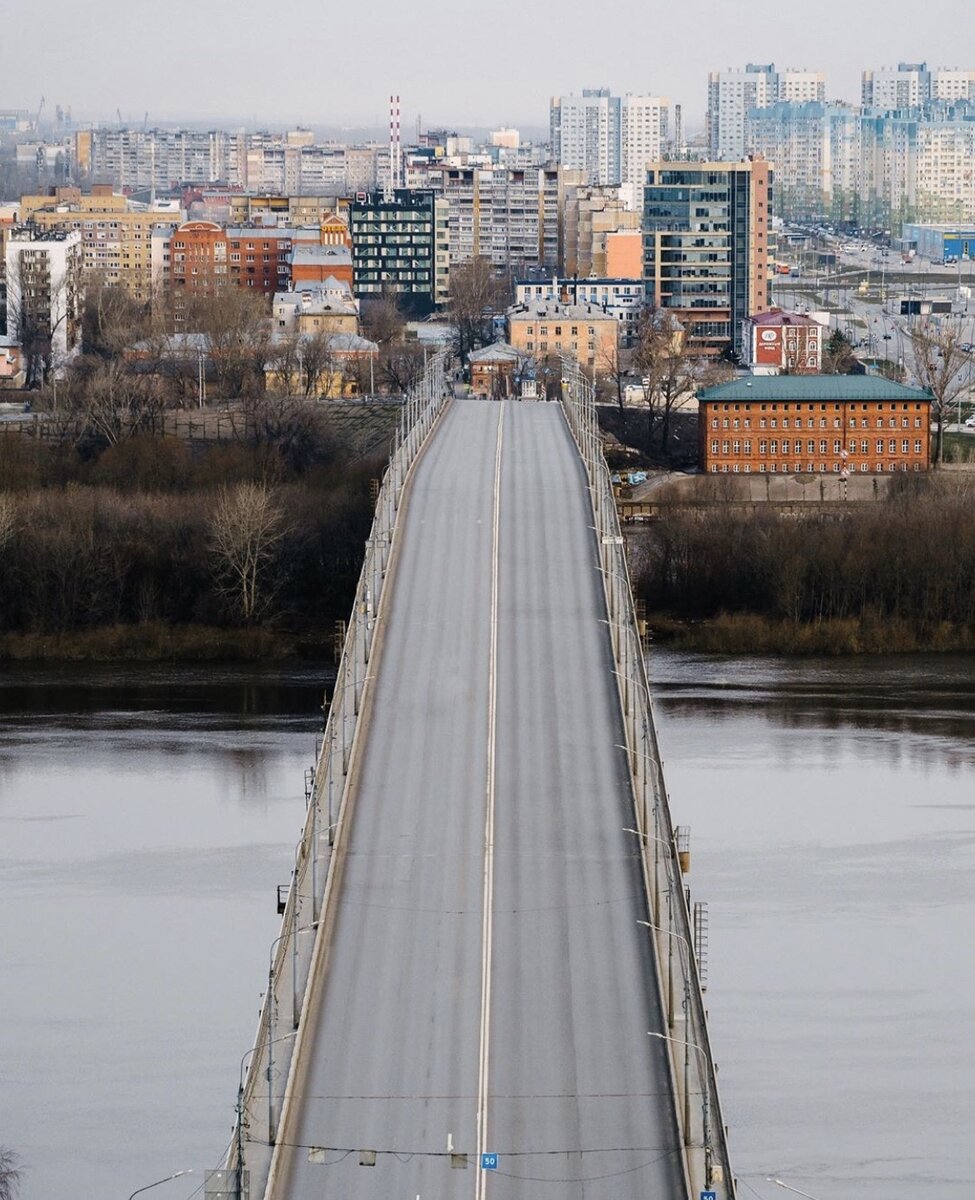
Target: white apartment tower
{"points": [[44, 298], [643, 131], [585, 132], [731, 94]]}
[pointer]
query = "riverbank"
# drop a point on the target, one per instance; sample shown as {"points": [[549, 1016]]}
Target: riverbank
{"points": [[749, 634], [157, 641]]}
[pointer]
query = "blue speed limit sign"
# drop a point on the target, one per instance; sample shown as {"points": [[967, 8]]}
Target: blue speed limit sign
{"points": [[489, 1162]]}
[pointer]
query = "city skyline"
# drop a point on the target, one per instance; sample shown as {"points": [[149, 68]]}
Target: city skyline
{"points": [[316, 75]]}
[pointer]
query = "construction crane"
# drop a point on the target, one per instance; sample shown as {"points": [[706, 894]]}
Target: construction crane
{"points": [[37, 117], [145, 122], [121, 123]]}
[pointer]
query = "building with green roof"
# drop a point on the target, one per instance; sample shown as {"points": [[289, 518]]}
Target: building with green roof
{"points": [[814, 424]]}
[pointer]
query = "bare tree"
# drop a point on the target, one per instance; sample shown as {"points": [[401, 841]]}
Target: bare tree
{"points": [[246, 526], [670, 373], [317, 364], [111, 320], [10, 1174], [113, 402], [238, 332], [943, 368], [401, 366], [382, 320], [476, 294]]}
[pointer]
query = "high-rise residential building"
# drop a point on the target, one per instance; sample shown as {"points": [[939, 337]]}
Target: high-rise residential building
{"points": [[909, 85], [44, 297], [116, 234], [905, 86], [816, 151], [732, 94], [397, 248], [706, 230], [585, 134], [643, 133], [506, 214]]}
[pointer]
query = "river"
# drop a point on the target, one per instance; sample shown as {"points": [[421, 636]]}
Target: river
{"points": [[147, 815]]}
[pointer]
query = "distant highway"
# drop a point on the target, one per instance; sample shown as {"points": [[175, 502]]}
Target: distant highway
{"points": [[488, 988]]}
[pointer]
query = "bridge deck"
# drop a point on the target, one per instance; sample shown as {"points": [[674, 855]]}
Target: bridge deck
{"points": [[496, 667]]}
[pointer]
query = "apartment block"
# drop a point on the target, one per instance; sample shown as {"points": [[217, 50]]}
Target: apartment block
{"points": [[116, 234], [644, 131], [44, 297], [508, 215], [816, 151], [585, 134], [706, 253], [591, 217], [732, 94], [814, 425]]}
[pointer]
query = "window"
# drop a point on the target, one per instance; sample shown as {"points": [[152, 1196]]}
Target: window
{"points": [[864, 446], [905, 446], [785, 446], [810, 447], [724, 447], [892, 446], [714, 446], [822, 447], [763, 447], [917, 447], [714, 422], [748, 447], [736, 447], [836, 447], [880, 445], [724, 423]]}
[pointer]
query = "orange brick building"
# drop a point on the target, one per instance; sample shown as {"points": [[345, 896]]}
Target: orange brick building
{"points": [[199, 257], [814, 424]]}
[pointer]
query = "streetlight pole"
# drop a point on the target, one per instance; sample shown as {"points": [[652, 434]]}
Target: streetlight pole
{"points": [[159, 1181], [687, 1021], [788, 1187], [705, 1103]]}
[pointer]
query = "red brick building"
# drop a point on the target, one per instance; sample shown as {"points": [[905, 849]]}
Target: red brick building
{"points": [[777, 341], [814, 424], [260, 258]]}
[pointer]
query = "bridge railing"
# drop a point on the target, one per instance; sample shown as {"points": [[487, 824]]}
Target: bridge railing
{"points": [[670, 925], [268, 1066]]}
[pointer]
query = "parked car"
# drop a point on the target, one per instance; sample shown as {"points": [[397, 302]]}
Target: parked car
{"points": [[970, 421]]}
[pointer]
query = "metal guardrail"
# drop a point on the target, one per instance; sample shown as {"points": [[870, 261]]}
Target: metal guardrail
{"points": [[698, 1108], [267, 1067]]}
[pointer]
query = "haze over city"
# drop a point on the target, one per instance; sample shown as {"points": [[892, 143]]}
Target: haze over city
{"points": [[454, 63]]}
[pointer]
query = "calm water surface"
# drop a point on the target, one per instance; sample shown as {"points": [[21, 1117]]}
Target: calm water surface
{"points": [[146, 816], [833, 814]]}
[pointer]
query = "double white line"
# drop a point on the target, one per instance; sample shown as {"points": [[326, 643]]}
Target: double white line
{"points": [[488, 902]]}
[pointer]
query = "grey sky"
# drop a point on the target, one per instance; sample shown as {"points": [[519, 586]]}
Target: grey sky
{"points": [[453, 62]]}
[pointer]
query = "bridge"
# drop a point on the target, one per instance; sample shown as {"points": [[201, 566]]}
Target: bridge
{"points": [[487, 982]]}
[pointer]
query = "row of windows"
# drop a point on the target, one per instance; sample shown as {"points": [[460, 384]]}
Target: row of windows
{"points": [[772, 447], [810, 468], [773, 423]]}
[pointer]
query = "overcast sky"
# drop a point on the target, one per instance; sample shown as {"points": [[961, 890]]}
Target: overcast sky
{"points": [[459, 62]]}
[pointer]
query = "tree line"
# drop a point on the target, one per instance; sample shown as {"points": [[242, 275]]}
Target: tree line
{"points": [[908, 559], [153, 530]]}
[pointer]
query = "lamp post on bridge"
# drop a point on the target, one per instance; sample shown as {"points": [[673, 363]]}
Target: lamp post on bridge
{"points": [[189, 1171], [271, 1002], [687, 1015], [705, 1101], [788, 1187]]}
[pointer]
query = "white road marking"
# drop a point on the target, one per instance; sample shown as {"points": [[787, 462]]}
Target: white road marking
{"points": [[486, 921]]}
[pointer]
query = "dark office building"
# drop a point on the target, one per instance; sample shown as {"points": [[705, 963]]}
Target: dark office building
{"points": [[394, 248]]}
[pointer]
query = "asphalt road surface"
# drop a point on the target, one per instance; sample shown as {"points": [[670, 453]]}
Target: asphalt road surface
{"points": [[488, 987]]}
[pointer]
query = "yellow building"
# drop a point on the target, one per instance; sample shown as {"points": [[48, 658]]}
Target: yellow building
{"points": [[582, 330], [116, 235]]}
